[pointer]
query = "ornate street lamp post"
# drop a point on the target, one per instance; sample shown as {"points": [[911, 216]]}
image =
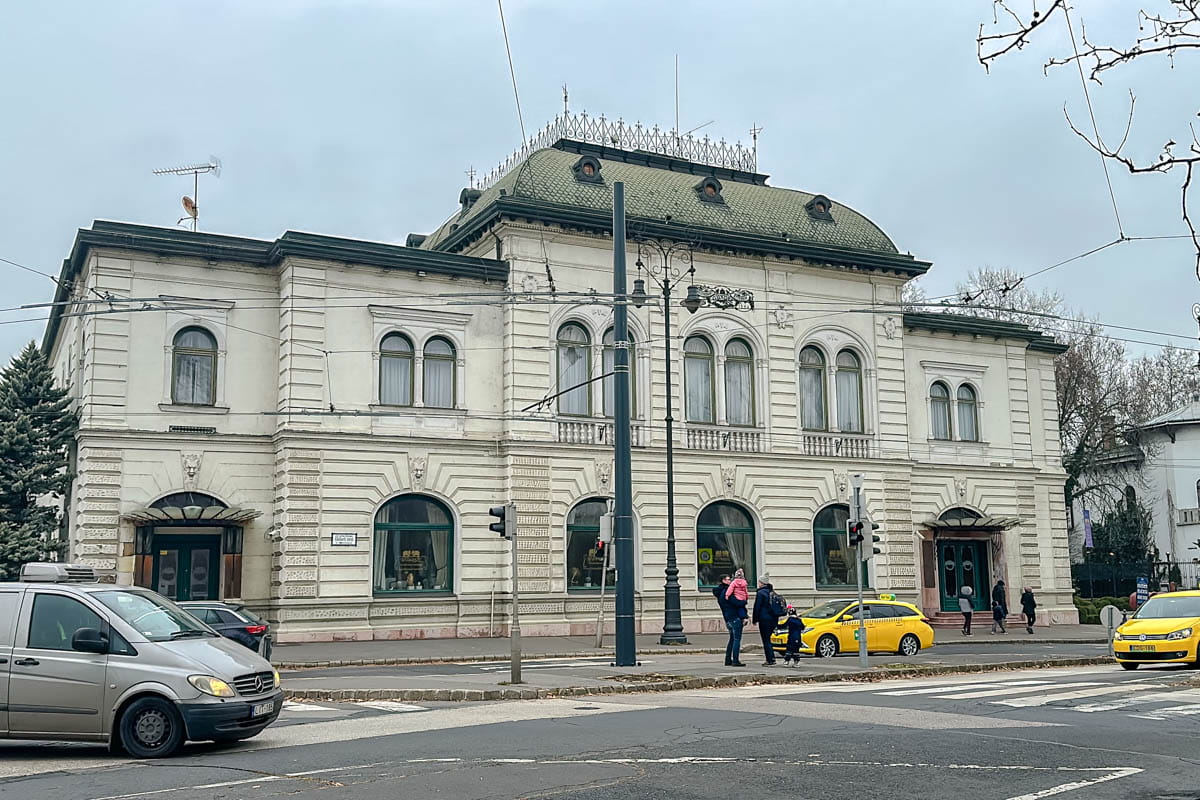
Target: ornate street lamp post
{"points": [[666, 268]]}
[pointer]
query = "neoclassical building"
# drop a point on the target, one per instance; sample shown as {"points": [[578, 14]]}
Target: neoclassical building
{"points": [[317, 426]]}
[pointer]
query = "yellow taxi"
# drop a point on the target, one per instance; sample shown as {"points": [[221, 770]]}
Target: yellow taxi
{"points": [[831, 628], [1165, 630]]}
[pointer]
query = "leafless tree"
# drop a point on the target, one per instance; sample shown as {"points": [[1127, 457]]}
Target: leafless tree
{"points": [[1173, 31]]}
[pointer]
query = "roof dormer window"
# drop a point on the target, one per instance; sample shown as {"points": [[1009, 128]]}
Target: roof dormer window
{"points": [[587, 170], [819, 207], [709, 191]]}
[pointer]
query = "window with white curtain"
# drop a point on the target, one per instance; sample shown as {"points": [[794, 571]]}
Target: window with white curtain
{"points": [[812, 389], [396, 370], [724, 543], [849, 392], [739, 383], [414, 535], [610, 361], [194, 368], [574, 368], [939, 410], [438, 377], [968, 414], [698, 379]]}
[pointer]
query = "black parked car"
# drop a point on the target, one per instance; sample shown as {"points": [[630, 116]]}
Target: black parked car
{"points": [[233, 622]]}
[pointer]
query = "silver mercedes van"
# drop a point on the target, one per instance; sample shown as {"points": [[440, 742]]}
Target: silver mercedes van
{"points": [[90, 661]]}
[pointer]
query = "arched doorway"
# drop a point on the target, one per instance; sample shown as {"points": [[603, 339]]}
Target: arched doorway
{"points": [[962, 561]]}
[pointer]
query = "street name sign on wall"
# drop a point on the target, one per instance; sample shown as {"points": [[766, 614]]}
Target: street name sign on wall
{"points": [[343, 539]]}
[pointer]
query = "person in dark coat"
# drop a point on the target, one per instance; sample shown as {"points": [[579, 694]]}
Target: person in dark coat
{"points": [[765, 617], [733, 611], [1028, 606], [1000, 595], [965, 600]]}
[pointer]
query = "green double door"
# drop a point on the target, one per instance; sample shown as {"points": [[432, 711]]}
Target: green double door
{"points": [[187, 567], [963, 562]]}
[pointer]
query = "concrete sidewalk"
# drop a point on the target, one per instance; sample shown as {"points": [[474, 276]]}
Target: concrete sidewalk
{"points": [[432, 651], [595, 675]]}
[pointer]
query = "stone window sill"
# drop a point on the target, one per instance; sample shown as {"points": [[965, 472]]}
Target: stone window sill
{"points": [[174, 408], [417, 411]]}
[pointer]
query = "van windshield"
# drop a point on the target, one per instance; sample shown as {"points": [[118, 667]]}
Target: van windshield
{"points": [[1169, 607], [826, 610], [153, 616]]}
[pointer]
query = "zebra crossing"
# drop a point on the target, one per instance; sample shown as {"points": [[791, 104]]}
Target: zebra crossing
{"points": [[293, 710], [1158, 697]]}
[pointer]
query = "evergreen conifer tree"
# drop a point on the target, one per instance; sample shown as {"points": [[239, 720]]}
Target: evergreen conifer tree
{"points": [[37, 426]]}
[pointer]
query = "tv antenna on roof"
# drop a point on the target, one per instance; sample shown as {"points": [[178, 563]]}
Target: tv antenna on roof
{"points": [[191, 205]]}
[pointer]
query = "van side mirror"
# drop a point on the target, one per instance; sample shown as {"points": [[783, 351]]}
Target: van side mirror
{"points": [[90, 640]]}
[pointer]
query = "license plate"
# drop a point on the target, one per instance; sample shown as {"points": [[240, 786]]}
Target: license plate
{"points": [[262, 709], [1142, 648]]}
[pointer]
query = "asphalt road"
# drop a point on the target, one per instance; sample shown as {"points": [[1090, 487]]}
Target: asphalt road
{"points": [[1097, 733]]}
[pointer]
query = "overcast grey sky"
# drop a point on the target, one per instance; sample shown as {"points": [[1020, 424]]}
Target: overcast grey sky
{"points": [[359, 118]]}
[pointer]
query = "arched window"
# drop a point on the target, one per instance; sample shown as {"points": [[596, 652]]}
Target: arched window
{"points": [[849, 392], [833, 556], [812, 390], [438, 378], [396, 370], [574, 368], [968, 414], [610, 361], [739, 383], [194, 368], [413, 539], [584, 563], [939, 410], [724, 543], [698, 379], [1130, 497]]}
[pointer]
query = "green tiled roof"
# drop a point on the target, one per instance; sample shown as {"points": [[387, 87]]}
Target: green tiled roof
{"points": [[664, 190]]}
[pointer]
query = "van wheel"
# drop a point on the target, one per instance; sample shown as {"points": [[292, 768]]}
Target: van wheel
{"points": [[909, 645], [151, 728], [827, 647]]}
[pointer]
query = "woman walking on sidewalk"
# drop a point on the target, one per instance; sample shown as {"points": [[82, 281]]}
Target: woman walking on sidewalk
{"points": [[1028, 606], [965, 594]]}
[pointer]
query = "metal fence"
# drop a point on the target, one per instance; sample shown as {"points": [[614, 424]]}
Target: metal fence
{"points": [[1120, 580]]}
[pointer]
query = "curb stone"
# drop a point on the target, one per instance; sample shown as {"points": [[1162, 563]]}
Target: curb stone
{"points": [[676, 684], [690, 651]]}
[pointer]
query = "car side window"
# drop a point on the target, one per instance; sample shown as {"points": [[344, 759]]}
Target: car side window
{"points": [[55, 619], [119, 646], [904, 611], [210, 616], [8, 617], [226, 617], [882, 612]]}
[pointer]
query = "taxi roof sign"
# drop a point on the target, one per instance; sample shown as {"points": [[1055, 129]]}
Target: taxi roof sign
{"points": [[887, 597]]}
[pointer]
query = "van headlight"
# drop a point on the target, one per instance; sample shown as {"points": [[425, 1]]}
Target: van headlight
{"points": [[1186, 633], [275, 672], [213, 686]]}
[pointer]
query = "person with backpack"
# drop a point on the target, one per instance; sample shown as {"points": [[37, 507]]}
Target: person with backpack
{"points": [[768, 608], [733, 610]]}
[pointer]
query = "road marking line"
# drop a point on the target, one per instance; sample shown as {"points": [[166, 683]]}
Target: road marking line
{"points": [[289, 705], [959, 688], [1070, 787], [1180, 710], [390, 705], [1013, 690], [1026, 702], [263, 778]]}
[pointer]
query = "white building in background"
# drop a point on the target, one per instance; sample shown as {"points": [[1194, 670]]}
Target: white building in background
{"points": [[1163, 472], [317, 426]]}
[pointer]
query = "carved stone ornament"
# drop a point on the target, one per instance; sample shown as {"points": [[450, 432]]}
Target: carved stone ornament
{"points": [[604, 475], [889, 327], [960, 486], [529, 284], [191, 468], [783, 317], [842, 482], [416, 469], [729, 479]]}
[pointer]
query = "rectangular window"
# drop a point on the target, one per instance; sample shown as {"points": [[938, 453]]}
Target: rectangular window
{"points": [[194, 379], [395, 381], [412, 560], [722, 553], [439, 382], [812, 399], [8, 617], [56, 618]]}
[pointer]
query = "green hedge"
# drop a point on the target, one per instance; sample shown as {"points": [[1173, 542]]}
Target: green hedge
{"points": [[1089, 607]]}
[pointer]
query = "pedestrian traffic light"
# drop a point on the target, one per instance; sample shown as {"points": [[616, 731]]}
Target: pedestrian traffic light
{"points": [[854, 532], [506, 524]]}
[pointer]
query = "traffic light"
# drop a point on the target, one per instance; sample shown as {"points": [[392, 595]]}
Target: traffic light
{"points": [[506, 524], [854, 532], [875, 539]]}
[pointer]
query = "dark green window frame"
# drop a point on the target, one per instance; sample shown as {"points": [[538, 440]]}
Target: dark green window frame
{"points": [[710, 358], [416, 527], [586, 344], [751, 557], [404, 355], [452, 359], [749, 361], [819, 369], [840, 538]]}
